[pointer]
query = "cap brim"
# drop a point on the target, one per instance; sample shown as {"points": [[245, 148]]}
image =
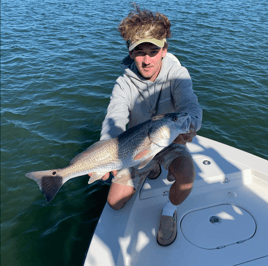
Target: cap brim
{"points": [[159, 43]]}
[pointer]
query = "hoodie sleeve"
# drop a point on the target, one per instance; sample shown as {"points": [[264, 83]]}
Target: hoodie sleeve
{"points": [[184, 97], [117, 115]]}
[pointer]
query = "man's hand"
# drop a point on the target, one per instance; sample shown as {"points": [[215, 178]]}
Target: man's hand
{"points": [[106, 176], [184, 138]]}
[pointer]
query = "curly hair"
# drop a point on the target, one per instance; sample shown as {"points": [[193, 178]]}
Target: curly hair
{"points": [[140, 24]]}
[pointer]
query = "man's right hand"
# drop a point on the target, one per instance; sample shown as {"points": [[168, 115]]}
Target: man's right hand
{"points": [[106, 176]]}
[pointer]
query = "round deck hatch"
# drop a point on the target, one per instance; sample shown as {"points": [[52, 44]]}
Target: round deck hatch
{"points": [[218, 226]]}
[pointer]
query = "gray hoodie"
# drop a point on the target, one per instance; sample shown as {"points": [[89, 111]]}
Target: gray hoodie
{"points": [[135, 99]]}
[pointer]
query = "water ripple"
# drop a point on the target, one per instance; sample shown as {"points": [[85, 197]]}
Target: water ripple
{"points": [[60, 60]]}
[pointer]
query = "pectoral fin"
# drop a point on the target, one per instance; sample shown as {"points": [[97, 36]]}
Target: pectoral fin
{"points": [[147, 154], [147, 149], [142, 154]]}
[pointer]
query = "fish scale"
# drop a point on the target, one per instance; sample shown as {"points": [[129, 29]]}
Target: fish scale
{"points": [[136, 146]]}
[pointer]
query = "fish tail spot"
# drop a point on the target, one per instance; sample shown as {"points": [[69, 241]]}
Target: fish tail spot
{"points": [[50, 185]]}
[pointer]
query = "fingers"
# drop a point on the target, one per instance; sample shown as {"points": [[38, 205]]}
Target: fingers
{"points": [[106, 176], [114, 172], [177, 140], [189, 136], [180, 139], [183, 138]]}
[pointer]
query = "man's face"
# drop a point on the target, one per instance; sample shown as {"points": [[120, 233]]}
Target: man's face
{"points": [[148, 59]]}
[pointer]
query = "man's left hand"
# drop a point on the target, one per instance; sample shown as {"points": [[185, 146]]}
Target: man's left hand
{"points": [[184, 138]]}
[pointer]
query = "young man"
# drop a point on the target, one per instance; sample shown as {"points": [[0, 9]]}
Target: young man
{"points": [[154, 83]]}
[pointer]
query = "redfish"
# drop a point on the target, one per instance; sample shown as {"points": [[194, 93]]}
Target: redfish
{"points": [[136, 146]]}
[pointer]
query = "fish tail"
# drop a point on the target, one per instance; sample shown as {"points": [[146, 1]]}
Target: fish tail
{"points": [[49, 182]]}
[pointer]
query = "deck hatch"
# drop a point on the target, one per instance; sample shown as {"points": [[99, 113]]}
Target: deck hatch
{"points": [[218, 226]]}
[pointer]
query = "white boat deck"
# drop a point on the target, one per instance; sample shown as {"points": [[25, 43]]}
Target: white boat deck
{"points": [[224, 221]]}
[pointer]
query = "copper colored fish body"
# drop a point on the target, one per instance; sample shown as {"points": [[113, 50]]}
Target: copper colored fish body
{"points": [[136, 146]]}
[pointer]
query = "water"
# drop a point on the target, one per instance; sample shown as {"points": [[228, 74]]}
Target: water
{"points": [[60, 60]]}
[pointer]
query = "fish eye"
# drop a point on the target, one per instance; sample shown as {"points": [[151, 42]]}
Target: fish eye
{"points": [[175, 119]]}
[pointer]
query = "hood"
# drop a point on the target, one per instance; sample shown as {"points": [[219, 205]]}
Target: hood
{"points": [[149, 91]]}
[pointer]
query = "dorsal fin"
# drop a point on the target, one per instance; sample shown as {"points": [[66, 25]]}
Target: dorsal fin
{"points": [[89, 149]]}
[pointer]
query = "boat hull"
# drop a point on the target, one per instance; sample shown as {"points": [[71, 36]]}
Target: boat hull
{"points": [[222, 222]]}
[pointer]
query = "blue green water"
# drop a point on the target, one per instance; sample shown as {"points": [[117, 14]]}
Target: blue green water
{"points": [[59, 62]]}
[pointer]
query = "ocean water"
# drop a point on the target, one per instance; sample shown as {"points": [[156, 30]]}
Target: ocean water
{"points": [[59, 62]]}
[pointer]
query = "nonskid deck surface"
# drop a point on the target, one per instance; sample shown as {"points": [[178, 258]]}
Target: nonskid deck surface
{"points": [[223, 221]]}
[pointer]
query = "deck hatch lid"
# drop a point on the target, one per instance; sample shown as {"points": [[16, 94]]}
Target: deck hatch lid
{"points": [[218, 226]]}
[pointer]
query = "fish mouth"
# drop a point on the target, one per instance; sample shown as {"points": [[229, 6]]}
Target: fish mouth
{"points": [[187, 123]]}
